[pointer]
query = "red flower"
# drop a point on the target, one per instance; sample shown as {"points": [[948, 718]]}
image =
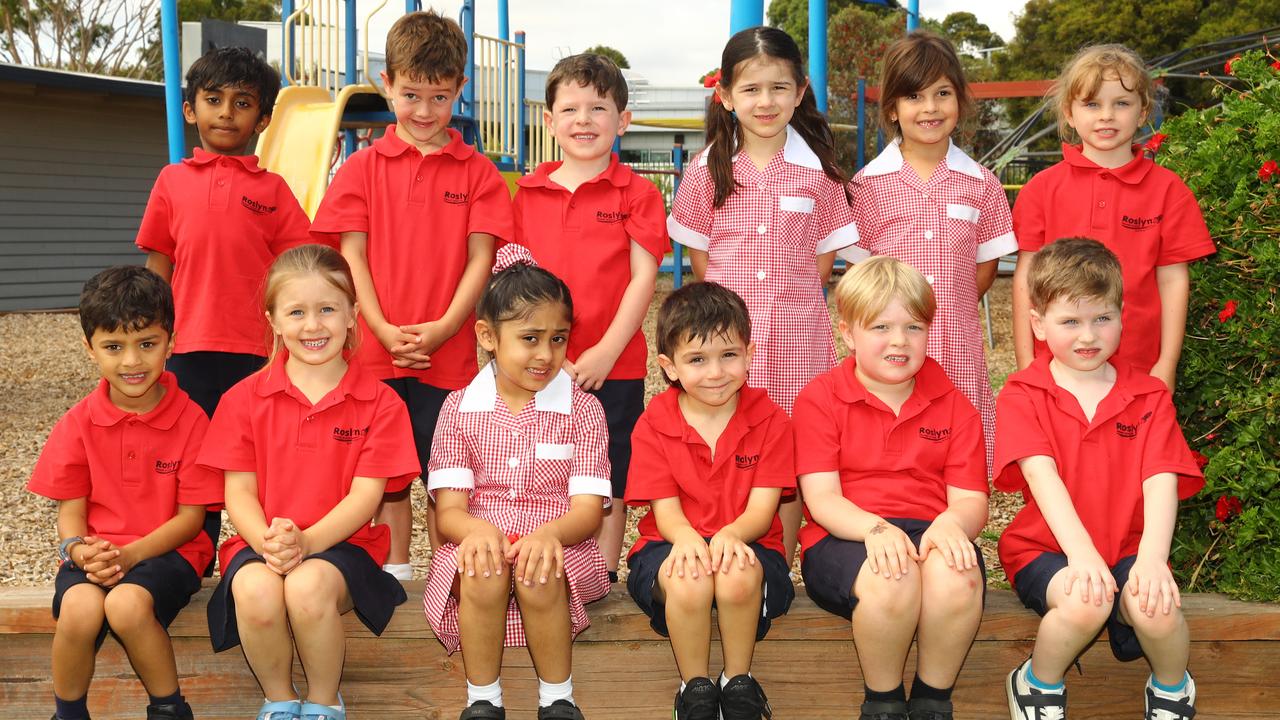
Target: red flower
{"points": [[1268, 170], [1211, 437], [1155, 142], [1201, 460], [1276, 66], [711, 79], [1227, 67], [1228, 311], [1228, 507]]}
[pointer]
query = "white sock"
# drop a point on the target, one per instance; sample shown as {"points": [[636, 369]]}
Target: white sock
{"points": [[1188, 688], [491, 692], [399, 571], [551, 692], [724, 679]]}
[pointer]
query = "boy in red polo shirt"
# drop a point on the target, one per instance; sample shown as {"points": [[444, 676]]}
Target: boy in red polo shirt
{"points": [[1094, 446], [602, 229], [713, 458], [131, 499], [892, 466], [418, 214]]}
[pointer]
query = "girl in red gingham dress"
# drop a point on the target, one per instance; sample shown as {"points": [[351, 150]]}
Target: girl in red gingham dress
{"points": [[928, 204], [763, 211], [519, 471]]}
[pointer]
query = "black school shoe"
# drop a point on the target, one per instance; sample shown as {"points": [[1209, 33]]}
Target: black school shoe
{"points": [[893, 710], [742, 698], [170, 711], [929, 709], [699, 701], [560, 710], [483, 710]]}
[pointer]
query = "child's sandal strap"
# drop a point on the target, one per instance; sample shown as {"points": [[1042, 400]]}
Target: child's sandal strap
{"points": [[316, 711], [283, 710]]}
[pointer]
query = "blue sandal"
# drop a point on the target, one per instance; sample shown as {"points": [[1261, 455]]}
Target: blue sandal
{"points": [[316, 711], [283, 710]]}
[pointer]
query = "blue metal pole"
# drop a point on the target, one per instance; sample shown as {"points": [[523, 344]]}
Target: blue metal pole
{"points": [[913, 15], [411, 6], [504, 32], [677, 250], [521, 152], [818, 52], [468, 102], [286, 39], [353, 68], [504, 19], [172, 80], [745, 14], [862, 124]]}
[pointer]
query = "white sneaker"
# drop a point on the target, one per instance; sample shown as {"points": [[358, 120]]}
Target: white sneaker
{"points": [[1031, 703], [399, 571], [1180, 705]]}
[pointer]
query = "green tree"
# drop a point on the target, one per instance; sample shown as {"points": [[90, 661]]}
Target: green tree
{"points": [[615, 55], [969, 34], [793, 16], [90, 36]]}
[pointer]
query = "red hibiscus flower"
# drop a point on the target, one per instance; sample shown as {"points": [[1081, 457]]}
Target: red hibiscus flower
{"points": [[1276, 66], [1228, 507], [1227, 67], [1155, 142], [1228, 311], [1201, 460], [1268, 170]]}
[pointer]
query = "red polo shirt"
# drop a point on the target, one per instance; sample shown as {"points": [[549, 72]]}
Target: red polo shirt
{"points": [[670, 459], [1143, 212], [418, 211], [1134, 435], [305, 456], [221, 220], [584, 237], [134, 470], [896, 466]]}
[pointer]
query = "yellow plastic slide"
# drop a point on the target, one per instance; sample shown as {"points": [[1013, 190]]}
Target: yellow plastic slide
{"points": [[302, 140]]}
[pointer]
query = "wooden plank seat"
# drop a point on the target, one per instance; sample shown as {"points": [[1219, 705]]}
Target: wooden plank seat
{"points": [[622, 669]]}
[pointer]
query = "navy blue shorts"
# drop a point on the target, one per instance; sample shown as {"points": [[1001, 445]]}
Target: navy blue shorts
{"points": [[642, 580], [1032, 585], [831, 567], [423, 402], [169, 579], [623, 402], [374, 593]]}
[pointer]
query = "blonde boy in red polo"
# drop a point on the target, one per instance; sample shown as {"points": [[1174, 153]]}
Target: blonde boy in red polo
{"points": [[892, 466], [602, 229], [418, 214], [1094, 446], [131, 499], [712, 460]]}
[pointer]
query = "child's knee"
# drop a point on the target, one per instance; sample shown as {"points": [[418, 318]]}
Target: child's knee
{"points": [[312, 591], [688, 593], [1084, 618], [949, 587], [81, 613], [1156, 627], [739, 586], [541, 596], [895, 597], [258, 594], [477, 590], [129, 608]]}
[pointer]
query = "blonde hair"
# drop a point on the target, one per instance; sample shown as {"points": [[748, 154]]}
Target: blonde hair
{"points": [[868, 288], [303, 261], [1073, 269], [1084, 74]]}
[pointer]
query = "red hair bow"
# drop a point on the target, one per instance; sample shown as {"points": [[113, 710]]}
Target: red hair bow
{"points": [[711, 80], [513, 254]]}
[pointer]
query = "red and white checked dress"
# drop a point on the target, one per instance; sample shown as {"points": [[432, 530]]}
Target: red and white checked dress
{"points": [[942, 227], [520, 471], [763, 244]]}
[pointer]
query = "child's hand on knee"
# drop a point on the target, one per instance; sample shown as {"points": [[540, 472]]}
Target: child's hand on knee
{"points": [[1152, 583], [483, 551], [99, 562], [1097, 584], [282, 546], [726, 547], [889, 551], [689, 554], [946, 535], [539, 554]]}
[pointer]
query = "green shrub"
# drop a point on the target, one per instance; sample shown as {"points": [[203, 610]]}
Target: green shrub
{"points": [[1228, 396]]}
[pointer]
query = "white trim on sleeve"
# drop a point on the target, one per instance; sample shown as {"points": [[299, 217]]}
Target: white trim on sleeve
{"points": [[998, 246], [840, 238], [451, 479], [853, 254], [588, 485], [687, 237]]}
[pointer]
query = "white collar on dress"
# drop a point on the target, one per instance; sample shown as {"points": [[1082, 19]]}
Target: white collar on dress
{"points": [[796, 151], [482, 394], [890, 161]]}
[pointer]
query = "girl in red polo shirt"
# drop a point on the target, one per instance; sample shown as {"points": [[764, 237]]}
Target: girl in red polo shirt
{"points": [[927, 203], [308, 445], [763, 211], [520, 472]]}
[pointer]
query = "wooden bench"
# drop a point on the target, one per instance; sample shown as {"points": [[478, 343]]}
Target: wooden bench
{"points": [[622, 669]]}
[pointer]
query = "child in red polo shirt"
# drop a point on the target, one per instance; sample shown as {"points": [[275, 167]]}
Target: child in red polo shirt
{"points": [[131, 498], [891, 460], [1107, 189], [602, 229], [713, 460], [520, 473], [418, 214], [307, 445], [1094, 446]]}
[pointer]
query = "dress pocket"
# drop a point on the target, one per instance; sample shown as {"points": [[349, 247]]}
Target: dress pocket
{"points": [[962, 229]]}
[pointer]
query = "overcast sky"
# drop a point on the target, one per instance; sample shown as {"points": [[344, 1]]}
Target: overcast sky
{"points": [[668, 41]]}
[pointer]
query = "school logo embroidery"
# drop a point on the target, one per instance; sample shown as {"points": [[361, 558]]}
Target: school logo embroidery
{"points": [[256, 207], [1145, 416], [454, 198], [612, 218], [746, 462], [1140, 223], [934, 434], [1126, 431], [347, 435], [167, 467]]}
